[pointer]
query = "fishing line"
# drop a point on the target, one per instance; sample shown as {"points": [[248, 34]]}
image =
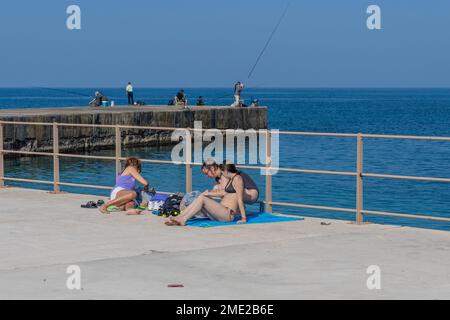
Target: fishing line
{"points": [[274, 31], [65, 91], [269, 40]]}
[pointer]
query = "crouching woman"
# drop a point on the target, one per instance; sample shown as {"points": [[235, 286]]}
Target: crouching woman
{"points": [[239, 190], [123, 194]]}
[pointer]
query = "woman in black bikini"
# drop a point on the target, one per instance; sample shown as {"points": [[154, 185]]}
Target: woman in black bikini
{"points": [[212, 170], [240, 189]]}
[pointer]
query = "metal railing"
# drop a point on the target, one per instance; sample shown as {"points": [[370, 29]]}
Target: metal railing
{"points": [[359, 173]]}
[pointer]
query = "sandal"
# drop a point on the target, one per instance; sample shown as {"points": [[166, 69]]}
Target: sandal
{"points": [[113, 209], [89, 205], [93, 205]]}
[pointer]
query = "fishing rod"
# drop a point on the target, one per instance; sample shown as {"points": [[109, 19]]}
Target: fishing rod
{"points": [[266, 46], [274, 31], [66, 91]]}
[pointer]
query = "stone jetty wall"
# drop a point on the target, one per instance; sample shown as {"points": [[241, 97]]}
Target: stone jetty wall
{"points": [[39, 138]]}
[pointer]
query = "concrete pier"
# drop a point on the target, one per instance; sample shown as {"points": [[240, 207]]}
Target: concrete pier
{"points": [[39, 138], [122, 257]]}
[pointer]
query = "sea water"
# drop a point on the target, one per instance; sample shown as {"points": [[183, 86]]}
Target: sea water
{"points": [[378, 111]]}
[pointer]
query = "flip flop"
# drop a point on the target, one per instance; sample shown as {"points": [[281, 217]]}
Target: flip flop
{"points": [[142, 208], [113, 209], [89, 205]]}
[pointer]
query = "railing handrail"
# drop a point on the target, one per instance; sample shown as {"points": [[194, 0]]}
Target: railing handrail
{"points": [[359, 173], [300, 133]]}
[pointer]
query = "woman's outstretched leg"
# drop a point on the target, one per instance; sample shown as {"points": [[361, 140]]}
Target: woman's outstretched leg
{"points": [[215, 210], [190, 211]]}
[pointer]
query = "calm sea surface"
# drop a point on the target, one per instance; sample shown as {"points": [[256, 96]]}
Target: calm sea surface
{"points": [[381, 111]]}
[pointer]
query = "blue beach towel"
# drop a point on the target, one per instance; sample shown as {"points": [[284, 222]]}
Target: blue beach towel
{"points": [[251, 219]]}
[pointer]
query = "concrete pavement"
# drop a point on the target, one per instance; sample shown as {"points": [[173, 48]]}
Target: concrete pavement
{"points": [[137, 257]]}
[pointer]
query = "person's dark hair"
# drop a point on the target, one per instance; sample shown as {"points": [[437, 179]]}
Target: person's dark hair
{"points": [[210, 164], [180, 95], [133, 162], [230, 167]]}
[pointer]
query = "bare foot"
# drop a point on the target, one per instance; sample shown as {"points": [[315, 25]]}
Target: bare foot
{"points": [[133, 212], [103, 209], [174, 222]]}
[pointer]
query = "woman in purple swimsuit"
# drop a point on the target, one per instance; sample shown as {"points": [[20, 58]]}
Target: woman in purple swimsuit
{"points": [[124, 194]]}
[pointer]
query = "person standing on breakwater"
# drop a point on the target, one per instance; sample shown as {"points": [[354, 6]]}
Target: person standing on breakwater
{"points": [[238, 87], [123, 195], [130, 94]]}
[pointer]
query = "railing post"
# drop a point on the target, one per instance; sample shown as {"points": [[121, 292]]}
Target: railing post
{"points": [[188, 161], [2, 159], [56, 177], [269, 206], [359, 180], [118, 150]]}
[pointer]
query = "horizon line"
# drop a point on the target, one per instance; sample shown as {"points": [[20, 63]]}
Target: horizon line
{"points": [[227, 87]]}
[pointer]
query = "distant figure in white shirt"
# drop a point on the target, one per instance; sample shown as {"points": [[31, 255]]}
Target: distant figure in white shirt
{"points": [[130, 94], [238, 87]]}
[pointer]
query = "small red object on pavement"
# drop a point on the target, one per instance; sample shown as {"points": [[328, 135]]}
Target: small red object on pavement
{"points": [[175, 286]]}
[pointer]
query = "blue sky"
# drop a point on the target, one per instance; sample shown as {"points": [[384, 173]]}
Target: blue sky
{"points": [[212, 43]]}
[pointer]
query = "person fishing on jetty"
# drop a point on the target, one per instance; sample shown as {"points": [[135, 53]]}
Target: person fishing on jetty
{"points": [[97, 101], [130, 94], [240, 189], [238, 88], [180, 99], [123, 195]]}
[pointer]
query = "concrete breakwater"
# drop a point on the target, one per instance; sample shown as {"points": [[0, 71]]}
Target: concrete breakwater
{"points": [[39, 138]]}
